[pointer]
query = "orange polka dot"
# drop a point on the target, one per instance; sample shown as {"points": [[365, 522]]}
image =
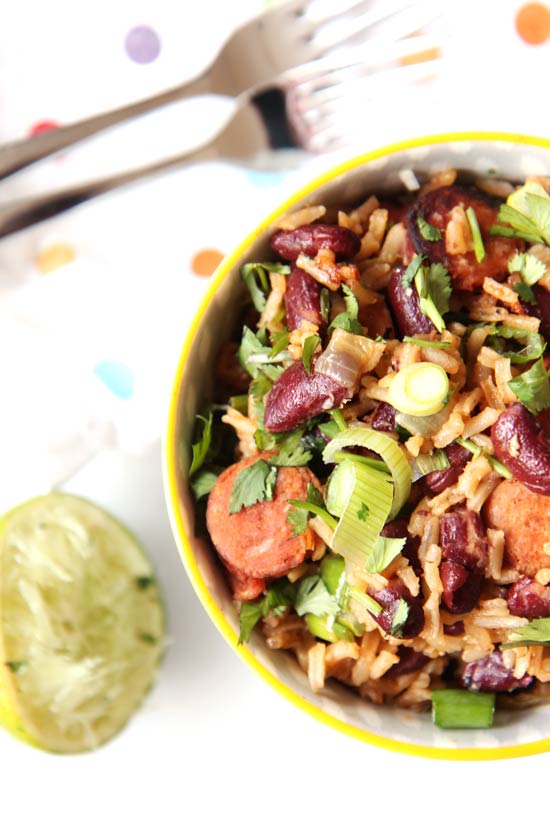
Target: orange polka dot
{"points": [[533, 23], [205, 261], [53, 257]]}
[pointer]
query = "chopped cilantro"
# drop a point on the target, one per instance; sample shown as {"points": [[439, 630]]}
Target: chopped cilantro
{"points": [[363, 512], [310, 345], [530, 268], [428, 231], [409, 274], [534, 344], [278, 598], [255, 277], [400, 617], [254, 484], [298, 514], [201, 447], [479, 249], [433, 285], [532, 387], [385, 551], [202, 483], [525, 293], [314, 597], [536, 632], [279, 341]]}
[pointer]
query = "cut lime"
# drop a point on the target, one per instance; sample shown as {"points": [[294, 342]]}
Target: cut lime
{"points": [[81, 623]]}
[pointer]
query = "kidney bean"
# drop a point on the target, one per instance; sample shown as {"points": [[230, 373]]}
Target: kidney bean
{"points": [[302, 299], [454, 629], [529, 599], [397, 529], [466, 272], [296, 397], [462, 538], [541, 310], [523, 447], [461, 587], [405, 305], [490, 674], [309, 239], [409, 662], [389, 598], [439, 480], [383, 418]]}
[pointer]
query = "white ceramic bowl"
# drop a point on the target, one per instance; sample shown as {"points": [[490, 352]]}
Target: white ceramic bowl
{"points": [[518, 733]]}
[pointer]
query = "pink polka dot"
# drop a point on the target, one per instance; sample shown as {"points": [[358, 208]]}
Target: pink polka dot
{"points": [[142, 44], [43, 126]]}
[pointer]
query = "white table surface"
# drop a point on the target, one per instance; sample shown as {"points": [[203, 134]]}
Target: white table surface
{"points": [[212, 742]]}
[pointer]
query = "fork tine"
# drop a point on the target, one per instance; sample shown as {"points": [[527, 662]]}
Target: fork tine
{"points": [[380, 24]]}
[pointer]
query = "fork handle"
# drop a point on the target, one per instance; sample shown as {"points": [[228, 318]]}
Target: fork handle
{"points": [[20, 153], [25, 212]]}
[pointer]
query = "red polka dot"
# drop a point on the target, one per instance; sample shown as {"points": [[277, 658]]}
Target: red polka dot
{"points": [[43, 126]]}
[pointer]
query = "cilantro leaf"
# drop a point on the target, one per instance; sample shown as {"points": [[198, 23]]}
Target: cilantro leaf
{"points": [[428, 231], [533, 348], [525, 293], [249, 616], [255, 277], [344, 321], [313, 597], [255, 355], [298, 515], [202, 483], [280, 595], [253, 484], [279, 342], [520, 226], [433, 285], [201, 447], [532, 387], [530, 268], [399, 618], [310, 345], [536, 632], [351, 302], [297, 519], [363, 511], [385, 551]]}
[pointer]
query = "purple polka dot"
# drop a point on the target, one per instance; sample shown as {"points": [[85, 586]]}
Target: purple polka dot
{"points": [[142, 44]]}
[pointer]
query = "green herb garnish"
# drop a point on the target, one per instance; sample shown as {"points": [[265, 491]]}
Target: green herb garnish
{"points": [[479, 249], [255, 276], [428, 231], [532, 387], [385, 551], [254, 484], [313, 597], [202, 446], [536, 632], [310, 345]]}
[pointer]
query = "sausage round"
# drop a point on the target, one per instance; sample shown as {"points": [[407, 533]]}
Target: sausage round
{"points": [[257, 542], [525, 519]]}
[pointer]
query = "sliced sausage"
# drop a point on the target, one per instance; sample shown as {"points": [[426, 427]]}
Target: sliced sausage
{"points": [[257, 542], [525, 519], [466, 272]]}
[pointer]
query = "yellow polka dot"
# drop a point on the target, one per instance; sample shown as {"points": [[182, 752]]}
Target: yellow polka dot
{"points": [[205, 261], [54, 256], [533, 23]]}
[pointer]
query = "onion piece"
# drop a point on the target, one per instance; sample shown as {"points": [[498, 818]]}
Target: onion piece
{"points": [[347, 357]]}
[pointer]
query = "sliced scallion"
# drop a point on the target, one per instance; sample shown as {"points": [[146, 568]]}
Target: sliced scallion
{"points": [[479, 249], [328, 628], [429, 462], [392, 454], [366, 601], [455, 708], [419, 389]]}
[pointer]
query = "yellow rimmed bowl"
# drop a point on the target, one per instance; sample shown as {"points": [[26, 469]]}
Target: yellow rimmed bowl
{"points": [[510, 156]]}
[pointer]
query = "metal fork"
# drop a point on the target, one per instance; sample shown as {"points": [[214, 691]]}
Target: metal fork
{"points": [[287, 42]]}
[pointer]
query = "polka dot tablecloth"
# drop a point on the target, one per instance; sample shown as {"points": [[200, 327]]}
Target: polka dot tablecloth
{"points": [[94, 304]]}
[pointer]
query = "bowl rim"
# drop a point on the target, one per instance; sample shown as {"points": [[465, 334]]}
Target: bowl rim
{"points": [[170, 471]]}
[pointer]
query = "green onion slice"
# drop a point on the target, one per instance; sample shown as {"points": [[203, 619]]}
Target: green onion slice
{"points": [[479, 249], [393, 455], [419, 389], [455, 708]]}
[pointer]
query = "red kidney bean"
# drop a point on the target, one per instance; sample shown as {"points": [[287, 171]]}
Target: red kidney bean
{"points": [[462, 538], [309, 239], [461, 587], [466, 272], [405, 305], [439, 480], [302, 299], [389, 598], [464, 555], [491, 675], [409, 662], [383, 418], [296, 397], [454, 629], [541, 310], [529, 599], [397, 529], [523, 447]]}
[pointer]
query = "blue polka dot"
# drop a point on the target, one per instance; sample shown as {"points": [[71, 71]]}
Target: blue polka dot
{"points": [[262, 179], [116, 376]]}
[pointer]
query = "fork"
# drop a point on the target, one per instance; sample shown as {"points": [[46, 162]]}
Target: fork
{"points": [[249, 61]]}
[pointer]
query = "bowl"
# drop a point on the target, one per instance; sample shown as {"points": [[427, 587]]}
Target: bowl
{"points": [[518, 733]]}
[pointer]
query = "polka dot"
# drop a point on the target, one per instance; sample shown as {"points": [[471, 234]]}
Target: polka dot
{"points": [[142, 44], [205, 261], [533, 23], [267, 178], [116, 376], [54, 256], [43, 126]]}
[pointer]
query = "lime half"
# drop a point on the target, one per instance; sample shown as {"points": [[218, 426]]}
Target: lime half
{"points": [[81, 623]]}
